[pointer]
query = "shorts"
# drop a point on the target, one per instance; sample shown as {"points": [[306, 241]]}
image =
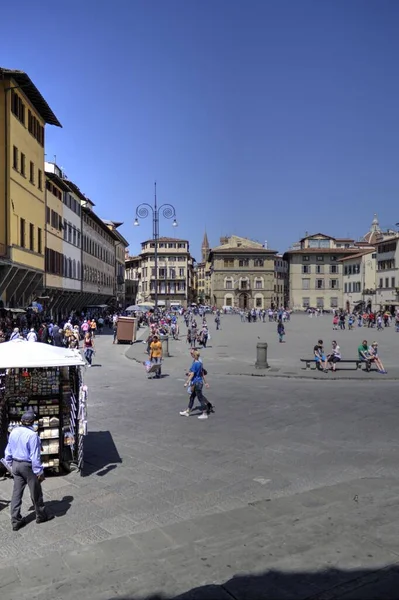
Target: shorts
{"points": [[335, 359], [318, 358]]}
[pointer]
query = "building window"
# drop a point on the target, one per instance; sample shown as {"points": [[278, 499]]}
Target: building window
{"points": [[306, 269], [23, 164], [39, 241], [380, 285], [17, 107], [319, 269], [305, 302], [35, 128], [320, 258], [244, 284], [244, 262], [15, 157], [228, 284], [31, 237], [228, 301], [319, 302], [334, 269], [258, 262], [333, 258], [392, 282], [387, 282], [305, 258], [22, 233], [334, 284], [305, 284], [181, 272], [258, 284], [345, 288], [31, 172], [39, 179], [319, 284], [350, 287], [229, 262], [258, 302]]}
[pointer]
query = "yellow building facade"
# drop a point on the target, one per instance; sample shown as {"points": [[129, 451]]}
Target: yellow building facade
{"points": [[54, 258], [23, 116]]}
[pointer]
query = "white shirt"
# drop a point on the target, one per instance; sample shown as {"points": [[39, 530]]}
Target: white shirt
{"points": [[31, 337]]}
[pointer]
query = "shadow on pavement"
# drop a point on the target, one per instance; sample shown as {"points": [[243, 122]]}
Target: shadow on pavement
{"points": [[101, 454], [59, 508], [277, 585]]}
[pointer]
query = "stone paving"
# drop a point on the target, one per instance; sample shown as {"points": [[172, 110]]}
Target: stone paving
{"points": [[289, 491], [233, 349]]}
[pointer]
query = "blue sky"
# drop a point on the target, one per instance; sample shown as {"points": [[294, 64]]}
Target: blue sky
{"points": [[264, 119]]}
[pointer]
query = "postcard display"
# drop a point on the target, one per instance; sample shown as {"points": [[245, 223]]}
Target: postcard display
{"points": [[59, 400]]}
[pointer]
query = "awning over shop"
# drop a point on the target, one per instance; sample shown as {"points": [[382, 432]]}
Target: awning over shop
{"points": [[28, 355]]}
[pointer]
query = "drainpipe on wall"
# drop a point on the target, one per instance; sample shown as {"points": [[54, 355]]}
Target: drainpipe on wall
{"points": [[6, 165]]}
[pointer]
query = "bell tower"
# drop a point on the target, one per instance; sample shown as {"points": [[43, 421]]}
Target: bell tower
{"points": [[205, 248]]}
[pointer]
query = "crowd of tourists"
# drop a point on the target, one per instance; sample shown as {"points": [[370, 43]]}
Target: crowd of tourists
{"points": [[75, 332], [377, 319]]}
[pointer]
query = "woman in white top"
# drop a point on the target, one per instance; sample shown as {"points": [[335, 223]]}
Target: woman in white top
{"points": [[334, 356]]}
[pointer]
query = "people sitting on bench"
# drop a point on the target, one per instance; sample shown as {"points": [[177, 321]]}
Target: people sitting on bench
{"points": [[373, 354], [364, 355], [334, 356], [321, 361]]}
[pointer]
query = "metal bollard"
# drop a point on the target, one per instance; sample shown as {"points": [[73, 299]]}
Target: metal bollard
{"points": [[165, 345], [261, 356]]}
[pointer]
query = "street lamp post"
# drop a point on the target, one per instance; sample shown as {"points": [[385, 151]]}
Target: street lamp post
{"points": [[166, 210]]}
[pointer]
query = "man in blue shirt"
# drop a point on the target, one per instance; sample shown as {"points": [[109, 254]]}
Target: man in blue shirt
{"points": [[23, 455], [196, 382]]}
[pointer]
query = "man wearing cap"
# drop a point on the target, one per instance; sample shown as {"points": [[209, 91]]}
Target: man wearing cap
{"points": [[23, 454]]}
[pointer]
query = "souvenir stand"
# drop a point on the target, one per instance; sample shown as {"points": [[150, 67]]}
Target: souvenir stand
{"points": [[48, 381]]}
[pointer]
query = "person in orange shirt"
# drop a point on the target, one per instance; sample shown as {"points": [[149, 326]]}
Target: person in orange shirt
{"points": [[156, 353], [93, 328]]}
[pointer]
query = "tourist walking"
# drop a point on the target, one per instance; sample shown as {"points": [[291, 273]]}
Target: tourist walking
{"points": [[32, 337], [280, 331], [88, 348], [195, 383], [156, 354]]}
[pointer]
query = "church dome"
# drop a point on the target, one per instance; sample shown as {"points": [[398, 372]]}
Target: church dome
{"points": [[375, 234]]}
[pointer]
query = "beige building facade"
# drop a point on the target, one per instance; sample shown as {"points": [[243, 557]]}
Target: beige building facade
{"points": [[315, 271], [175, 277], [387, 277], [359, 281], [242, 274], [98, 283]]}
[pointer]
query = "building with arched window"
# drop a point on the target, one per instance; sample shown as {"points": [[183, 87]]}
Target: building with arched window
{"points": [[242, 274]]}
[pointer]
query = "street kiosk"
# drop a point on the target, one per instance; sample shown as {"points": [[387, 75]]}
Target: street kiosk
{"points": [[48, 381]]}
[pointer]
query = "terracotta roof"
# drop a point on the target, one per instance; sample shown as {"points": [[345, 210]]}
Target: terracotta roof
{"points": [[75, 189], [166, 239], [27, 87], [322, 251], [58, 181], [99, 222], [243, 250], [358, 255], [316, 234], [391, 239]]}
